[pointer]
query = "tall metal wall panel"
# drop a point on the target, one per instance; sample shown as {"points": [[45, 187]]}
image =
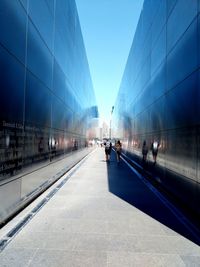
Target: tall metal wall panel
{"points": [[160, 92], [47, 100]]}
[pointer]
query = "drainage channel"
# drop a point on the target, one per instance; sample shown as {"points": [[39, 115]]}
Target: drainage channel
{"points": [[17, 228]]}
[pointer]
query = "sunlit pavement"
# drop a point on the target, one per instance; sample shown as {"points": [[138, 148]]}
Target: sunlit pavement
{"points": [[102, 216]]}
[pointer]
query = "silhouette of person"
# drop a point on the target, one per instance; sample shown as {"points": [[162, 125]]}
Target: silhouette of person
{"points": [[118, 148], [144, 151], [154, 147], [108, 148]]}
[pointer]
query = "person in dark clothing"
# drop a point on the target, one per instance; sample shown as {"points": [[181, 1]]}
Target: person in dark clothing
{"points": [[144, 152], [108, 148], [118, 148]]}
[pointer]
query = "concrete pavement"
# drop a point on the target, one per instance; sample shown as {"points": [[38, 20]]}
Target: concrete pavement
{"points": [[102, 216]]}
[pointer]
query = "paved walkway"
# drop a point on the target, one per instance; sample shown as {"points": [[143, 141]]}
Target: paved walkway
{"points": [[103, 216]]}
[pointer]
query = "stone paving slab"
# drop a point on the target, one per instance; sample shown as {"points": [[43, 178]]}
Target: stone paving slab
{"points": [[103, 216]]}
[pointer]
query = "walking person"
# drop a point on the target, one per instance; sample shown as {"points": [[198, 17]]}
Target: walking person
{"points": [[118, 148], [108, 148], [144, 152], [154, 147]]}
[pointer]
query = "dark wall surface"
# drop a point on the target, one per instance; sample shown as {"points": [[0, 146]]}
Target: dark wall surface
{"points": [[46, 93], [159, 96], [47, 101]]}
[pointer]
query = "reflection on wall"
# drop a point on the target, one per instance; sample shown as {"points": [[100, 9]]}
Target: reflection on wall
{"points": [[159, 93], [46, 94]]}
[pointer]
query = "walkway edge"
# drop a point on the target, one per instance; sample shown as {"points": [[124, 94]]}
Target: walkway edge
{"points": [[179, 215], [11, 233]]}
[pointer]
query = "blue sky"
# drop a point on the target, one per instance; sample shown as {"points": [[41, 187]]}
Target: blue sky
{"points": [[108, 28]]}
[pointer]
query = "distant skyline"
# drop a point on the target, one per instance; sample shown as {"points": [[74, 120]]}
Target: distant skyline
{"points": [[108, 28]]}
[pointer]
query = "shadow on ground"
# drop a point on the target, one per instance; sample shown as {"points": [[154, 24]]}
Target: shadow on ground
{"points": [[126, 185]]}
